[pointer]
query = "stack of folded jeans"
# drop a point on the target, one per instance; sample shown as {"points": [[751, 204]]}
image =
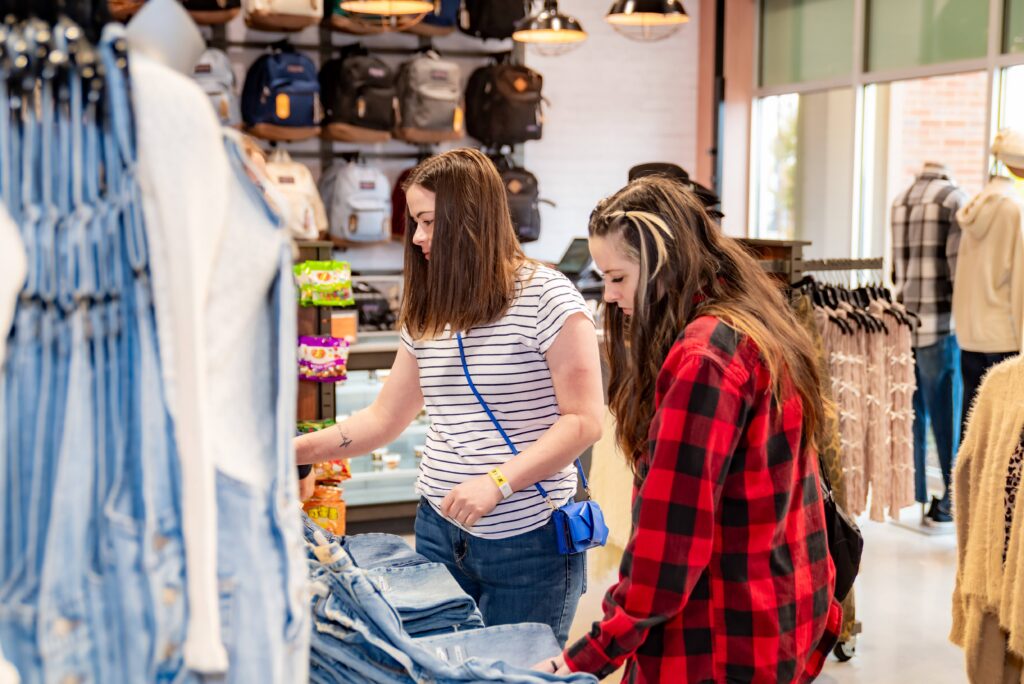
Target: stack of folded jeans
{"points": [[358, 638], [426, 596]]}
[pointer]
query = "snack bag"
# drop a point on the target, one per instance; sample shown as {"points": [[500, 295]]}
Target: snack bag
{"points": [[333, 472], [324, 283], [306, 426], [323, 359], [327, 508]]}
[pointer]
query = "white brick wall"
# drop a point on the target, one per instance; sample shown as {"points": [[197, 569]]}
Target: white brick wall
{"points": [[614, 103]]}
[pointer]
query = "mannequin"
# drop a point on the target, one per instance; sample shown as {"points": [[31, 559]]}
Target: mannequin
{"points": [[925, 243], [164, 32], [989, 305]]}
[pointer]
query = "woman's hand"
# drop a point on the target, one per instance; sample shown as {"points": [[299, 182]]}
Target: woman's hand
{"points": [[471, 500], [553, 666], [307, 486]]}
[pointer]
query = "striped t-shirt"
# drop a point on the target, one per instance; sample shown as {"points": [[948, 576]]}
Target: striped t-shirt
{"points": [[507, 363]]}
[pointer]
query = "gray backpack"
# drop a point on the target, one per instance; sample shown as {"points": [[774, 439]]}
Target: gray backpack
{"points": [[214, 74], [430, 99], [358, 200]]}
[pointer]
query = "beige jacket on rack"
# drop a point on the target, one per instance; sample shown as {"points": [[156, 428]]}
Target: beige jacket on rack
{"points": [[988, 601]]}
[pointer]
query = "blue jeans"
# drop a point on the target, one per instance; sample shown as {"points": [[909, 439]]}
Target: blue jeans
{"points": [[428, 598], [937, 400], [358, 637], [504, 643], [370, 550], [974, 365], [514, 580]]}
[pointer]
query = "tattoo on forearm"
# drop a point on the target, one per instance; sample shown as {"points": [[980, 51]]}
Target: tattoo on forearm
{"points": [[345, 440]]}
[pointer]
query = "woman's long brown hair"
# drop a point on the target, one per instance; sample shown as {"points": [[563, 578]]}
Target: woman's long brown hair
{"points": [[689, 269], [471, 278]]}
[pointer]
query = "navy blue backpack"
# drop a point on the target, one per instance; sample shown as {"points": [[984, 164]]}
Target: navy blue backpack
{"points": [[442, 21], [280, 99]]}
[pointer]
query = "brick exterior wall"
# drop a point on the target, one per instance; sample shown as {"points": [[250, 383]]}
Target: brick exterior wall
{"points": [[940, 119]]}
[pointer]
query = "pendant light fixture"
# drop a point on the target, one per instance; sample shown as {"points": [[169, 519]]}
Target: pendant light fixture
{"points": [[647, 20], [388, 8], [550, 31], [378, 16]]}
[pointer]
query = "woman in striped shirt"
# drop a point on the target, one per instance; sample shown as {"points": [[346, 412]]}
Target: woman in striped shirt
{"points": [[531, 350]]}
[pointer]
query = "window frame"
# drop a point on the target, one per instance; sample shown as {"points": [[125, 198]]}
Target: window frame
{"points": [[993, 64]]}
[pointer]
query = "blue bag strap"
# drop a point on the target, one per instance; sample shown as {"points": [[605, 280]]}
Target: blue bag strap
{"points": [[501, 430]]}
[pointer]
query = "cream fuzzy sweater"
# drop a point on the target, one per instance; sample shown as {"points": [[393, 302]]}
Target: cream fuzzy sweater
{"points": [[988, 601]]}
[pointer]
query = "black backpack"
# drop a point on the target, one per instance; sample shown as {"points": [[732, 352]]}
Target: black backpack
{"points": [[492, 18], [523, 202], [358, 96], [503, 105]]}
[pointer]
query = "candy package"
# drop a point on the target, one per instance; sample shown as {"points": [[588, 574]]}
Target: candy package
{"points": [[306, 426], [327, 508], [324, 283], [323, 359], [333, 472]]}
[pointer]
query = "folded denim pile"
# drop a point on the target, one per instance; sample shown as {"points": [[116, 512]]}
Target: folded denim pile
{"points": [[358, 635], [426, 596]]}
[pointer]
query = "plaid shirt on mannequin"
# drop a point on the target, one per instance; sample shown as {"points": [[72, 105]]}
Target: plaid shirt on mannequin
{"points": [[726, 576], [926, 239]]}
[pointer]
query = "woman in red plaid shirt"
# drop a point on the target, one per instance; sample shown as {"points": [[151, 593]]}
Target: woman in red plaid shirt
{"points": [[727, 576]]}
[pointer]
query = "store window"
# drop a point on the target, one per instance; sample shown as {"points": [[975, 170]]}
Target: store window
{"points": [[910, 33], [1013, 26], [1010, 110], [805, 40], [1011, 98], [909, 123], [804, 152]]}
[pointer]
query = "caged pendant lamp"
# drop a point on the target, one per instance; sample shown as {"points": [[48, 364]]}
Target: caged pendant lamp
{"points": [[647, 20], [549, 31]]}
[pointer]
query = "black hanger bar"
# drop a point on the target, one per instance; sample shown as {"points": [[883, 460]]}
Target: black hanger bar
{"points": [[315, 47], [354, 154], [821, 265]]}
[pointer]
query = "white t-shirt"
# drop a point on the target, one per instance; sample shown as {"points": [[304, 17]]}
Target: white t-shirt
{"points": [[506, 360]]}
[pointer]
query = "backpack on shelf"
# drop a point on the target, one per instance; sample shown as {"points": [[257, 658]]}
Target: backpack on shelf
{"points": [[307, 218], [359, 98], [430, 100], [280, 98], [503, 105], [358, 199], [215, 76], [441, 22], [212, 12], [492, 18], [282, 15], [523, 199]]}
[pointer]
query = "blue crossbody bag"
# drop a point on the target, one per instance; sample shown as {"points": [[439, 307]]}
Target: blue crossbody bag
{"points": [[579, 525]]}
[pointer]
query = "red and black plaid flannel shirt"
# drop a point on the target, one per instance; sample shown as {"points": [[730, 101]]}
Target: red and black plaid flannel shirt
{"points": [[727, 576]]}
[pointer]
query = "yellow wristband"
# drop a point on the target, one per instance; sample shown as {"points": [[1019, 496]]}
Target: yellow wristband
{"points": [[502, 482]]}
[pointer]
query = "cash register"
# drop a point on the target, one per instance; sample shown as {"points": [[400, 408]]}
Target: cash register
{"points": [[579, 267]]}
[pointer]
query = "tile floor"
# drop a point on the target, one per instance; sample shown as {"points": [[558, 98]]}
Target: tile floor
{"points": [[903, 603]]}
